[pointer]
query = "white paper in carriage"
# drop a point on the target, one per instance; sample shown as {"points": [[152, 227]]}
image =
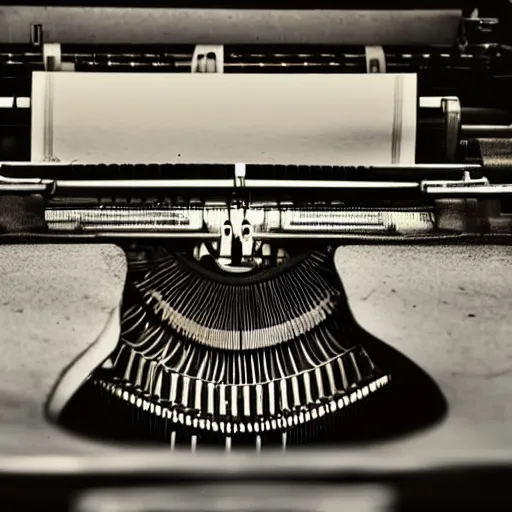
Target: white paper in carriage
{"points": [[310, 119]]}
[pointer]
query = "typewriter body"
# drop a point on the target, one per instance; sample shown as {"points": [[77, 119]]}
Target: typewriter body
{"points": [[453, 204]]}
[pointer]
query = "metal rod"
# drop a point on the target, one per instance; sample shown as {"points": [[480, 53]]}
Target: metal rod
{"points": [[145, 184], [476, 131], [359, 238], [484, 190], [350, 236], [329, 184], [452, 166], [24, 163], [142, 234], [258, 236], [32, 189]]}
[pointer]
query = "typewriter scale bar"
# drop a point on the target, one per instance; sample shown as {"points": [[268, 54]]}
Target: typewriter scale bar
{"points": [[267, 58], [442, 71]]}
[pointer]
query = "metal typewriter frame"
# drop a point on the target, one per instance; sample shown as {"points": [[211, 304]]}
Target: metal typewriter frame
{"points": [[259, 225]]}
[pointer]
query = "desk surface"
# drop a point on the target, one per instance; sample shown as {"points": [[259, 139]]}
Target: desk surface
{"points": [[445, 307]]}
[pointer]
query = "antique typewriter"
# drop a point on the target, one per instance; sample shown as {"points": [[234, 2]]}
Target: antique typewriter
{"points": [[209, 309]]}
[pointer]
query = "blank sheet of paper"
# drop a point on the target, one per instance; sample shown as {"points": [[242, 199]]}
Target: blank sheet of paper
{"points": [[323, 119]]}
